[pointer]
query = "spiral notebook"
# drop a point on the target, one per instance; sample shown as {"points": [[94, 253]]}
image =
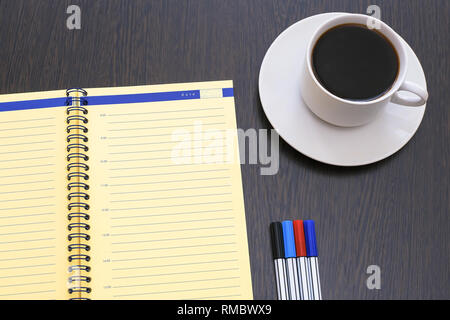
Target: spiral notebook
{"points": [[122, 193]]}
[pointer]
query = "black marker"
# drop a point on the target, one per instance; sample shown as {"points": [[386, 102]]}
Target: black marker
{"points": [[276, 231]]}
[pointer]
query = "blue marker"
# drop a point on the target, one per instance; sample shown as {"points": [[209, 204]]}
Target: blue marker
{"points": [[291, 260], [312, 257]]}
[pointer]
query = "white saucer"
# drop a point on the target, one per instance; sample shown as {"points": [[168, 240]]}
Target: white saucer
{"points": [[279, 83]]}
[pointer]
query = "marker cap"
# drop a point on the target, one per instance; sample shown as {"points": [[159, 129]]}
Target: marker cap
{"points": [[276, 232], [299, 234], [289, 242], [310, 238]]}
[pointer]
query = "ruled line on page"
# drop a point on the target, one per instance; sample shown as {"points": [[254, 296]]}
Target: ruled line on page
{"points": [[34, 127], [157, 166], [33, 150], [162, 142], [28, 249], [172, 282], [26, 120], [165, 127], [28, 207], [167, 119], [165, 111], [30, 292], [26, 223], [27, 182], [168, 231], [23, 191], [174, 265], [173, 189], [27, 275], [22, 258], [25, 199], [158, 135], [32, 166], [168, 150], [174, 273], [169, 173], [170, 206], [25, 232], [170, 222], [172, 214], [169, 181], [26, 143], [29, 266], [24, 159], [27, 284], [170, 158], [175, 256], [29, 135], [28, 240], [176, 247], [175, 197], [27, 174], [27, 215], [174, 239], [172, 291]]}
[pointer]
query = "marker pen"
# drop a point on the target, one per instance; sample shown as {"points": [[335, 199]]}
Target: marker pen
{"points": [[276, 231], [302, 264], [291, 260], [311, 251]]}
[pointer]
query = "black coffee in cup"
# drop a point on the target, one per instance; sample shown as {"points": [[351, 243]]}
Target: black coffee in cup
{"points": [[354, 62]]}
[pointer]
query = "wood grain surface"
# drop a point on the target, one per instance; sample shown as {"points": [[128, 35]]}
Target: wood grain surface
{"points": [[394, 213]]}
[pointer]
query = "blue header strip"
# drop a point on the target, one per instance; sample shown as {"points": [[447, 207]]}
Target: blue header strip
{"points": [[35, 104], [228, 92], [112, 99], [144, 97]]}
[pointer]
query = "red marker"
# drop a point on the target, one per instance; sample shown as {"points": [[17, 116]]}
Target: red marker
{"points": [[304, 274], [299, 234]]}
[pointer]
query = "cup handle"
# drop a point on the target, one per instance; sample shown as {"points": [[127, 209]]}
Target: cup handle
{"points": [[419, 100]]}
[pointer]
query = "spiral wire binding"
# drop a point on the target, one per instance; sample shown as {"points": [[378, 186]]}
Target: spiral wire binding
{"points": [[78, 206]]}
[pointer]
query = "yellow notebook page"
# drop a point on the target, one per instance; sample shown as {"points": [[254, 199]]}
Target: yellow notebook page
{"points": [[33, 224], [167, 205]]}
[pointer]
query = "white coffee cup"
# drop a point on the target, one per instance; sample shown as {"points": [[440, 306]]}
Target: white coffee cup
{"points": [[350, 113]]}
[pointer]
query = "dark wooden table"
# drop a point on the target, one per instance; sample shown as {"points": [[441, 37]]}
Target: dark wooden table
{"points": [[394, 214]]}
